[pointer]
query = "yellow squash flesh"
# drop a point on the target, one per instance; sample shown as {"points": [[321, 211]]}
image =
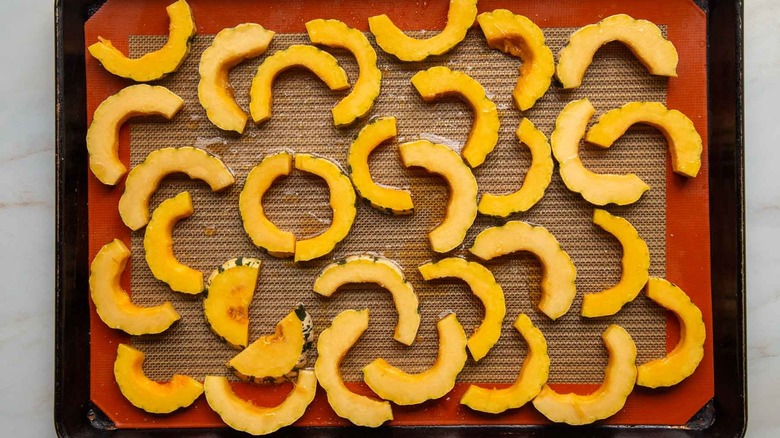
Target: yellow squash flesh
{"points": [[113, 304], [392, 40], [230, 47], [153, 65], [154, 397], [558, 279], [642, 37], [358, 103], [533, 376], [229, 291], [483, 285], [537, 179], [683, 360], [520, 37], [462, 205], [635, 264], [112, 113], [333, 344]]}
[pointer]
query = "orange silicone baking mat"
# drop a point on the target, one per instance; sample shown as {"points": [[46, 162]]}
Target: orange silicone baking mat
{"points": [[133, 26]]}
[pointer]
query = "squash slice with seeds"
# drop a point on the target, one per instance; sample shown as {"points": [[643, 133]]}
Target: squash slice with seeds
{"points": [[229, 290]]}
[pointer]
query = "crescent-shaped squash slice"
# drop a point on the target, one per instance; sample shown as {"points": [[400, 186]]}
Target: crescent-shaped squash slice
{"points": [[537, 179], [358, 103], [558, 279], [158, 244], [533, 375], [230, 47], [596, 188], [619, 378], [380, 271], [112, 113], [642, 37], [392, 40], [333, 344], [319, 62], [151, 396], [403, 388], [247, 417], [462, 205], [143, 180], [154, 65], [635, 264], [683, 360], [229, 291], [685, 145], [342, 202], [381, 197], [263, 232], [521, 37], [484, 286], [112, 303]]}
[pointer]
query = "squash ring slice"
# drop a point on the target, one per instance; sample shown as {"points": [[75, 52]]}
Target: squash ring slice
{"points": [[229, 292]]}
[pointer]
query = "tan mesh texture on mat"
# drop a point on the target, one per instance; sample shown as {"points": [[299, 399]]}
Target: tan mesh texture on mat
{"points": [[302, 122]]}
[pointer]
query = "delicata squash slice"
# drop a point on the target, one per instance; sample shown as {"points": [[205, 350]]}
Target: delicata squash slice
{"points": [[619, 378], [436, 82], [112, 113], [358, 103], [143, 180], [558, 279], [229, 291], [230, 47], [154, 65], [113, 304], [392, 40], [462, 205], [333, 344], [520, 37], [683, 360], [154, 397], [642, 37], [380, 271], [533, 375]]}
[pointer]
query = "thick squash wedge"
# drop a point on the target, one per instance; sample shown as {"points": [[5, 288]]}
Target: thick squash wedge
{"points": [[683, 360], [537, 179], [437, 82], [274, 356], [143, 180], [154, 65], [685, 145], [263, 232], [230, 47], [635, 264], [112, 113], [381, 197], [342, 202], [113, 305], [151, 396], [333, 344], [358, 103], [521, 37], [558, 278], [596, 188], [229, 291], [619, 378], [392, 40], [321, 63], [642, 37], [158, 244], [245, 416], [533, 376], [380, 271], [462, 205], [403, 388], [484, 286]]}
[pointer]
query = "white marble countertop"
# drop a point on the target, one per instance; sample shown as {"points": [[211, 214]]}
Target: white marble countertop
{"points": [[27, 216]]}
